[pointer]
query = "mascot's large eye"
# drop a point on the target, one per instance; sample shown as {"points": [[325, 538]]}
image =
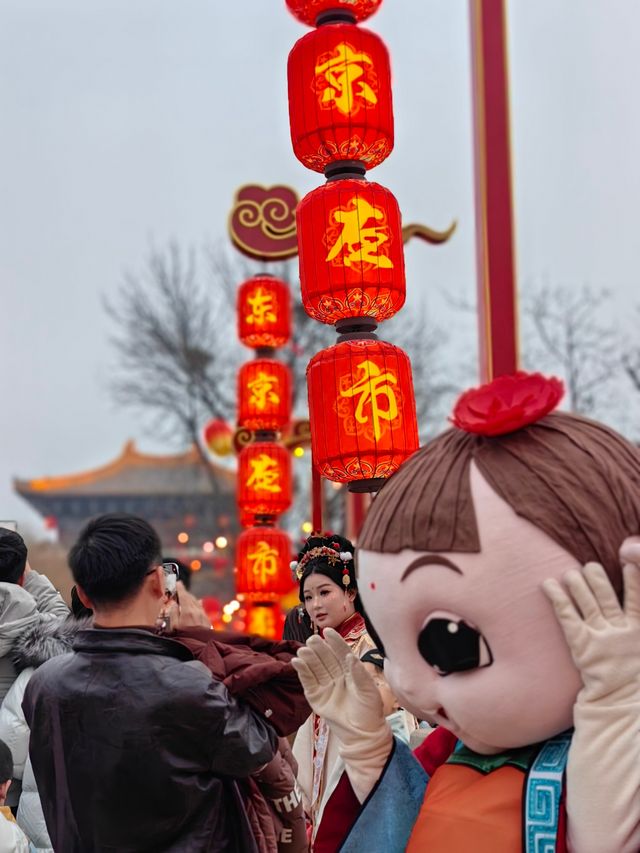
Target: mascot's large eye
{"points": [[450, 645]]}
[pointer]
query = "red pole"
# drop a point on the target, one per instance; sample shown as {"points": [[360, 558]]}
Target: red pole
{"points": [[497, 298], [357, 506], [317, 499]]}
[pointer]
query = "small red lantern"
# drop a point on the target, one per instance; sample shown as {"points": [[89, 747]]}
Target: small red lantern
{"points": [[264, 312], [264, 394], [371, 428], [340, 97], [263, 555], [351, 252], [218, 437], [264, 618], [307, 11], [264, 479]]}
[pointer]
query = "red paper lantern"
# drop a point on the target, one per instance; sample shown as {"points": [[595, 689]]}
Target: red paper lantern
{"points": [[362, 410], [263, 555], [218, 437], [340, 97], [351, 252], [264, 312], [307, 11], [264, 394], [264, 479], [265, 619]]}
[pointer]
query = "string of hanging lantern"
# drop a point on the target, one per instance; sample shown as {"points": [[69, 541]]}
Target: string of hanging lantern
{"points": [[263, 552], [361, 401]]}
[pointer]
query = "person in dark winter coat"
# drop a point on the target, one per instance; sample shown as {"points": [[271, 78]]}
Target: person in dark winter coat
{"points": [[135, 747]]}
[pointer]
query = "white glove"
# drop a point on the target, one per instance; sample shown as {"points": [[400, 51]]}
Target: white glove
{"points": [[341, 691], [603, 769]]}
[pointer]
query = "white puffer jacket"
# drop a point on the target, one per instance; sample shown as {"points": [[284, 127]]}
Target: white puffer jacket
{"points": [[37, 644]]}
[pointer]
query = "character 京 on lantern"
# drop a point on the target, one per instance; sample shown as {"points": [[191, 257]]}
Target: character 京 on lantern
{"points": [[340, 97], [264, 312], [264, 394]]}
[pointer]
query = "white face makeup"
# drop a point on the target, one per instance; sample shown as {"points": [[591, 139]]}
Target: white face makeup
{"points": [[471, 641]]}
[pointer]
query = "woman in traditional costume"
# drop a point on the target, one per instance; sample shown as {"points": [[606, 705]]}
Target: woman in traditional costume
{"points": [[328, 592]]}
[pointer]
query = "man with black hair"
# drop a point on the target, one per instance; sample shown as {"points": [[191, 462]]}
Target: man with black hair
{"points": [[12, 838], [133, 745]]}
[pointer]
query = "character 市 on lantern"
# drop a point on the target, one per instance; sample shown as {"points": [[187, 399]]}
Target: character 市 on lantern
{"points": [[490, 567]]}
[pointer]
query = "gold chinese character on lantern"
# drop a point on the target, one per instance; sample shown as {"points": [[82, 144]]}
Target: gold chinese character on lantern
{"points": [[263, 561], [265, 474], [357, 242], [373, 388], [261, 389], [262, 308], [339, 80]]}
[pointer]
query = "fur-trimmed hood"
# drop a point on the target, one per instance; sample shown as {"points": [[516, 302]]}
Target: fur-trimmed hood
{"points": [[44, 640]]}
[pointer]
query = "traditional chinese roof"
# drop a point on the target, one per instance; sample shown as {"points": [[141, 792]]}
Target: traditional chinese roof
{"points": [[135, 473]]}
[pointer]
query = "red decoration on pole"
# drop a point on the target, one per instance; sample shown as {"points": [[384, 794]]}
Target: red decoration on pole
{"points": [[371, 427], [497, 299], [262, 222], [218, 437], [351, 252], [264, 312], [263, 555], [340, 97], [264, 394], [308, 11], [264, 479]]}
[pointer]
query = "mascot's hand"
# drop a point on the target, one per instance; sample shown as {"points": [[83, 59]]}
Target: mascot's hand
{"points": [[340, 690], [338, 687], [603, 636]]}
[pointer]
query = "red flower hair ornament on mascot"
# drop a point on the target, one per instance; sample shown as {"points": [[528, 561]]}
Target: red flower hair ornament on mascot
{"points": [[507, 404]]}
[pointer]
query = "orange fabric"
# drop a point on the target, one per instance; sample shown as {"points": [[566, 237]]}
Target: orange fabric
{"points": [[464, 810]]}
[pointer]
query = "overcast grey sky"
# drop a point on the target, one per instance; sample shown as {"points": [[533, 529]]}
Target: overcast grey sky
{"points": [[127, 122]]}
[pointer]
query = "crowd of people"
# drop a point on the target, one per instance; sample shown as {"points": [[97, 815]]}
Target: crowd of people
{"points": [[129, 725], [493, 605]]}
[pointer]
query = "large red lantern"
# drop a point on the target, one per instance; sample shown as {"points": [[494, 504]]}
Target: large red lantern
{"points": [[351, 251], [264, 394], [264, 479], [264, 312], [263, 555], [362, 411], [307, 11], [264, 618], [340, 97]]}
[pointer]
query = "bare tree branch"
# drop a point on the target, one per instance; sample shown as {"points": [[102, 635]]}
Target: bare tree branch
{"points": [[567, 331]]}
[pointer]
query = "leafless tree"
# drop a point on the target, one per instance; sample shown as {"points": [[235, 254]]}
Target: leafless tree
{"points": [[631, 361], [173, 366], [567, 330], [178, 355]]}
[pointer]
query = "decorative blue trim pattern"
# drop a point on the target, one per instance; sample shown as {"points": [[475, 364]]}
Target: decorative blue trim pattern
{"points": [[543, 793], [391, 810]]}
